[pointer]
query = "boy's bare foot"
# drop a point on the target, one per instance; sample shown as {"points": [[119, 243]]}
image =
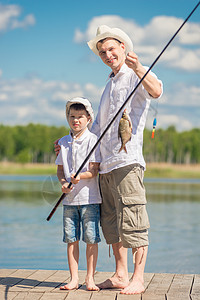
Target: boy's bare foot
{"points": [[135, 286], [73, 284], [114, 282], [90, 284]]}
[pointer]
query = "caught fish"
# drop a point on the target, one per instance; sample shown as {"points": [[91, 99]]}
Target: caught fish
{"points": [[124, 130]]}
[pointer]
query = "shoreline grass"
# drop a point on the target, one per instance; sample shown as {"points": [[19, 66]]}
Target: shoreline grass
{"points": [[154, 170], [166, 170], [11, 168]]}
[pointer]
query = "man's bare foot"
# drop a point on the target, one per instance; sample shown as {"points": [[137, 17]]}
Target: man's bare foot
{"points": [[114, 282], [90, 284], [135, 286], [73, 284]]}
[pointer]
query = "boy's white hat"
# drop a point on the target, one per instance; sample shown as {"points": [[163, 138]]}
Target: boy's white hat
{"points": [[105, 31], [87, 105]]}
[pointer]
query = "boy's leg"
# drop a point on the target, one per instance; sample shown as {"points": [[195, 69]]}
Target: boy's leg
{"points": [[71, 236], [91, 255], [90, 216], [136, 285], [73, 257]]}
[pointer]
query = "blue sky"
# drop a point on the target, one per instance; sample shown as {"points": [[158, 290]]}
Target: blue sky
{"points": [[44, 58]]}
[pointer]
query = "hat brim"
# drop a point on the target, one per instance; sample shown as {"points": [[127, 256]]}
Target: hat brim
{"points": [[114, 33]]}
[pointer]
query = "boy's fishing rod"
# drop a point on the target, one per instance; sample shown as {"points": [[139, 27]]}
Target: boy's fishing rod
{"points": [[120, 109]]}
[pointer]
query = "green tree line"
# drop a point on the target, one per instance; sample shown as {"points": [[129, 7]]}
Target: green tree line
{"points": [[34, 143]]}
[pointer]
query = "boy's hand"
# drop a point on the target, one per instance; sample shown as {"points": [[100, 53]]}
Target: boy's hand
{"points": [[75, 180], [65, 188], [57, 147]]}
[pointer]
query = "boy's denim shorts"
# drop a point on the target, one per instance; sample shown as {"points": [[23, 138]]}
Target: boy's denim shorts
{"points": [[85, 216]]}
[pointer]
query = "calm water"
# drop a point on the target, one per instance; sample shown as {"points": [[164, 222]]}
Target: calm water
{"points": [[27, 240]]}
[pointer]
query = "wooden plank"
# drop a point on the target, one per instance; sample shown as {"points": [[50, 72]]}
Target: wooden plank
{"points": [[153, 297], [159, 284], [44, 284], [79, 294], [128, 297], [41, 275], [6, 272], [7, 295], [196, 287], [195, 297], [178, 297], [147, 279], [104, 295], [52, 282], [180, 287], [14, 278], [53, 296], [22, 273], [99, 277], [34, 279], [28, 296]]}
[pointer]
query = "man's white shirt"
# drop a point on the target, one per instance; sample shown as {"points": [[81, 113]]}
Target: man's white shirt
{"points": [[115, 94]]}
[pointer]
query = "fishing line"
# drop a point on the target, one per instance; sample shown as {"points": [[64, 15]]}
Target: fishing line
{"points": [[120, 109]]}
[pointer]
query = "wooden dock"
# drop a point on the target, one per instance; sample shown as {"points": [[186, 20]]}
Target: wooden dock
{"points": [[44, 285]]}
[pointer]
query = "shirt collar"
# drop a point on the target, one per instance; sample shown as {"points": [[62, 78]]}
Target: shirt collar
{"points": [[123, 70], [81, 138]]}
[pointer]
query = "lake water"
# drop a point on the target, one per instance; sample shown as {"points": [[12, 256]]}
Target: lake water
{"points": [[27, 240]]}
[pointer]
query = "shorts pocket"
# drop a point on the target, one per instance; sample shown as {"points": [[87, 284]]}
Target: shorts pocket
{"points": [[131, 188], [134, 217]]}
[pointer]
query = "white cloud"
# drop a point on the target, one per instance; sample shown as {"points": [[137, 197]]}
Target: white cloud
{"points": [[34, 100], [132, 29], [29, 20], [178, 121], [180, 108], [150, 39], [3, 97], [183, 95], [9, 18], [27, 100]]}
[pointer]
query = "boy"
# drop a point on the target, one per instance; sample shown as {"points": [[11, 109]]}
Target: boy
{"points": [[82, 201]]}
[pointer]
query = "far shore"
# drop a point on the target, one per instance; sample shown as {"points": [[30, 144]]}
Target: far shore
{"points": [[154, 170]]}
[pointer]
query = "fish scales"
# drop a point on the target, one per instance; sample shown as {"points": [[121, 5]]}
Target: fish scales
{"points": [[124, 130]]}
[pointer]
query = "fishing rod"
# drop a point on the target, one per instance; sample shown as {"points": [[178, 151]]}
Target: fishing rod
{"points": [[118, 112]]}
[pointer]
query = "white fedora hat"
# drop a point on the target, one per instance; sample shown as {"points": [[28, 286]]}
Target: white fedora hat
{"points": [[105, 31]]}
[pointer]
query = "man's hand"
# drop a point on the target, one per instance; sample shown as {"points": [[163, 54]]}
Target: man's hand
{"points": [[150, 83], [57, 147], [132, 61]]}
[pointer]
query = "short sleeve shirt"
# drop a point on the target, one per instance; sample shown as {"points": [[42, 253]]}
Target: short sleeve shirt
{"points": [[71, 156], [115, 94]]}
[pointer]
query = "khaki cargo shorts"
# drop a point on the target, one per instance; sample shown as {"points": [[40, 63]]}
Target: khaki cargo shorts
{"points": [[123, 210]]}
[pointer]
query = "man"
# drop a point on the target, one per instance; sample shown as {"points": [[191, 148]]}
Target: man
{"points": [[124, 219]]}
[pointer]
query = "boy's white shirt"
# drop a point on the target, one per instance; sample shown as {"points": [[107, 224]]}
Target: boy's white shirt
{"points": [[72, 154]]}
